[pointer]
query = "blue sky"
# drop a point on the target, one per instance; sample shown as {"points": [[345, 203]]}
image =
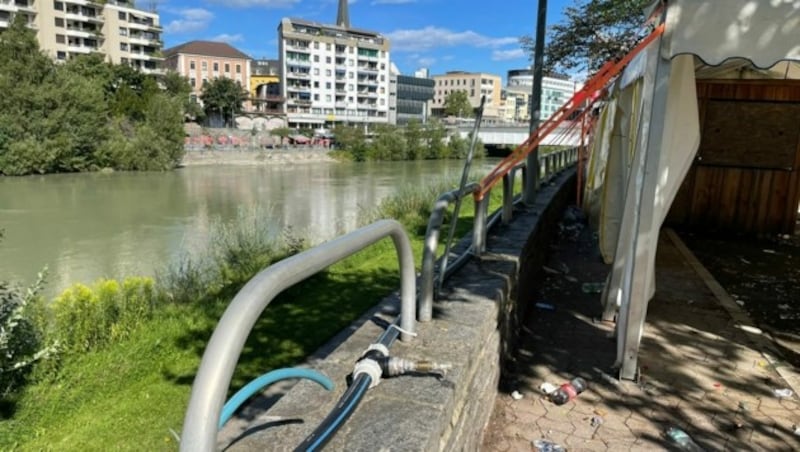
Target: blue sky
{"points": [[442, 35]]}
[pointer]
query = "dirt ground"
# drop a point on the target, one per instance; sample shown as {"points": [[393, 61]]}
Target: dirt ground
{"points": [[763, 276]]}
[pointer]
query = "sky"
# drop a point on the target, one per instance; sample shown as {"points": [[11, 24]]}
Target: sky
{"points": [[441, 35]]}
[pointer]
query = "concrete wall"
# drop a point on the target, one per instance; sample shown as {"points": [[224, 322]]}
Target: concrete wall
{"points": [[474, 328]]}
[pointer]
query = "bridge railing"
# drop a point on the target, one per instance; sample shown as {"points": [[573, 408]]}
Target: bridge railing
{"points": [[223, 350], [431, 277]]}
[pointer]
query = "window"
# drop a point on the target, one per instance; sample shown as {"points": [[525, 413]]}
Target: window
{"points": [[192, 82], [316, 45], [204, 65], [227, 67], [327, 97], [216, 67], [59, 22], [350, 87], [191, 65], [328, 60], [123, 46], [316, 71], [238, 68], [122, 16], [327, 85], [123, 61], [328, 72], [59, 6], [316, 58], [123, 31], [316, 96], [328, 46], [60, 39], [61, 55], [205, 81]]}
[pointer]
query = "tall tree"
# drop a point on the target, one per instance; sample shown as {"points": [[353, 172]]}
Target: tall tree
{"points": [[592, 32], [224, 97], [457, 104]]}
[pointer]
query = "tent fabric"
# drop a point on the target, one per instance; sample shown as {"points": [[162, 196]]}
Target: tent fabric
{"points": [[654, 138], [763, 32]]}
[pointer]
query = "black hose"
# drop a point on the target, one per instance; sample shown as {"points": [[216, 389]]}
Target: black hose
{"points": [[346, 405]]}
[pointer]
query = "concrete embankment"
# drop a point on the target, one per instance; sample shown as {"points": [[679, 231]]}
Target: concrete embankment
{"points": [[474, 328], [255, 157]]}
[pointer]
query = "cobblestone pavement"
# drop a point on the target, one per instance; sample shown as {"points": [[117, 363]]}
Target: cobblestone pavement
{"points": [[699, 372]]}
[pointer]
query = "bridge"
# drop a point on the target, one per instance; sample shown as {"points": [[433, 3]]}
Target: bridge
{"points": [[566, 134]]}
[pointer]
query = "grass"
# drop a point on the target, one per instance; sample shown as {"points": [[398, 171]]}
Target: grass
{"points": [[132, 394]]}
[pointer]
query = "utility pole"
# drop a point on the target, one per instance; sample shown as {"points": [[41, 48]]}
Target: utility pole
{"points": [[532, 182]]}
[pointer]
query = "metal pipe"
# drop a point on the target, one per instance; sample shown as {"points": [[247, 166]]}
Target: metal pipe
{"points": [[225, 346], [479, 228], [425, 311]]}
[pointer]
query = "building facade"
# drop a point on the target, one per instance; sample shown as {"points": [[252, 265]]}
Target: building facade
{"points": [[556, 90], [201, 61], [114, 28], [475, 84], [265, 87], [413, 95], [333, 74]]}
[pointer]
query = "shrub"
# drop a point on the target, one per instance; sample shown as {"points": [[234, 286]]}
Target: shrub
{"points": [[87, 318], [20, 336]]}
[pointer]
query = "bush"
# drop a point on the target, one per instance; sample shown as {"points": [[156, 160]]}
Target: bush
{"points": [[20, 336], [87, 318]]}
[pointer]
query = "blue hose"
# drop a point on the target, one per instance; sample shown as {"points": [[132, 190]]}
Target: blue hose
{"points": [[265, 380]]}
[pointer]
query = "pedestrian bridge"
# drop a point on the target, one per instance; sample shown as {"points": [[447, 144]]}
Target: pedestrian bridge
{"points": [[565, 135]]}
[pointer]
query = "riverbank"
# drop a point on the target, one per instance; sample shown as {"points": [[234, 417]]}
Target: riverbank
{"points": [[256, 157]]}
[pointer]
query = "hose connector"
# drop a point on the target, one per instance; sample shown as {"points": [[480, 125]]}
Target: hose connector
{"points": [[394, 366]]}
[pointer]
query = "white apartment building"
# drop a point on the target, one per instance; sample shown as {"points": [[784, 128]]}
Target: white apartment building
{"points": [[555, 92], [333, 74], [115, 28]]}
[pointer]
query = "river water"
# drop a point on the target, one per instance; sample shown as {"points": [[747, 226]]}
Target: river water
{"points": [[87, 226]]}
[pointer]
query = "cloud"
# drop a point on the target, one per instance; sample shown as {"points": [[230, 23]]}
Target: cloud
{"points": [[432, 37], [256, 3], [230, 39], [426, 61], [191, 20], [510, 54], [392, 2]]}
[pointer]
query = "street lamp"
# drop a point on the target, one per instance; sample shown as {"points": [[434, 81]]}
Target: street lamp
{"points": [[532, 181]]}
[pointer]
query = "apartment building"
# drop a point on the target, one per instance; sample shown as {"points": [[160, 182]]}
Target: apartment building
{"points": [[556, 90], [333, 73], [412, 95], [201, 61], [114, 28], [265, 87], [475, 84]]}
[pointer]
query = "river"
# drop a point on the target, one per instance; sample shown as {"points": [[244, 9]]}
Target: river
{"points": [[87, 226]]}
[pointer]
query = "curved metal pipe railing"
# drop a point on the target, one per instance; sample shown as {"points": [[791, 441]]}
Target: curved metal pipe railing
{"points": [[223, 350], [551, 164]]}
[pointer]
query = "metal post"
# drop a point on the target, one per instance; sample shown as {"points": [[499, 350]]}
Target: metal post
{"points": [[532, 184], [508, 196], [480, 226]]}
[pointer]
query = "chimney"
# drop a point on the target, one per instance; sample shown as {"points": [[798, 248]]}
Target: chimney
{"points": [[342, 17]]}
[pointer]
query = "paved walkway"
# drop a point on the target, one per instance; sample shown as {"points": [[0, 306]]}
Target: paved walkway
{"points": [[699, 370]]}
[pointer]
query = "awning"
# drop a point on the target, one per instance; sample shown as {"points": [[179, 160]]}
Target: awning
{"points": [[299, 138]]}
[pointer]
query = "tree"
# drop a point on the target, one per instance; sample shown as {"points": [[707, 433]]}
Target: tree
{"points": [[178, 86], [592, 32], [223, 96], [457, 104], [282, 133], [351, 139]]}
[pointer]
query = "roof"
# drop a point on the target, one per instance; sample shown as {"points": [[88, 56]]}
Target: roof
{"points": [[206, 48]]}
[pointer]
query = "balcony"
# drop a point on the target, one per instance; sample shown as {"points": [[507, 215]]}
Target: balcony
{"points": [[368, 81], [296, 62], [83, 17], [139, 23], [368, 69], [78, 32], [298, 88], [25, 6], [297, 101], [146, 56], [297, 75], [143, 40]]}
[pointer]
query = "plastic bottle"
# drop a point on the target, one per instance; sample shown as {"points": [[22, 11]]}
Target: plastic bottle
{"points": [[568, 391], [682, 440]]}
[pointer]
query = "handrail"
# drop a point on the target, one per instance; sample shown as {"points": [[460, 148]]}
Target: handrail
{"points": [[225, 346], [554, 162], [431, 244]]}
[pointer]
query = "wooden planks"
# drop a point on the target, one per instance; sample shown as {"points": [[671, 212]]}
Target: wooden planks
{"points": [[746, 177]]}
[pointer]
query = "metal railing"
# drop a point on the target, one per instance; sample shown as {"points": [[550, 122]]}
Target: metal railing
{"points": [[223, 350], [549, 164]]}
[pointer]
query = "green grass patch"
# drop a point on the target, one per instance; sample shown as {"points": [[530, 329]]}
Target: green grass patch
{"points": [[129, 390]]}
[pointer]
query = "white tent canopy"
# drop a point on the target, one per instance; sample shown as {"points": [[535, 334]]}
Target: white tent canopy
{"points": [[649, 134]]}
